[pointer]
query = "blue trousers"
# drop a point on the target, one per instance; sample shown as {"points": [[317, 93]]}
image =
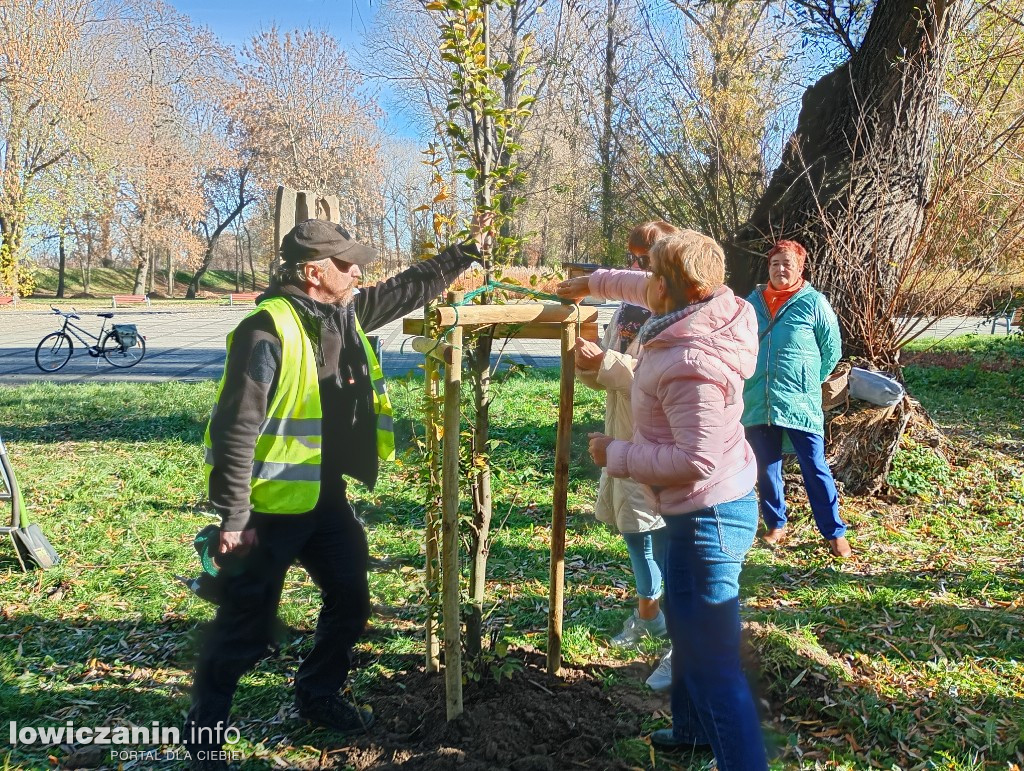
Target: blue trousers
{"points": [[647, 556], [766, 442], [711, 699]]}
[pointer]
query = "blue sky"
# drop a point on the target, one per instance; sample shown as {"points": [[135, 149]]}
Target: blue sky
{"points": [[234, 21]]}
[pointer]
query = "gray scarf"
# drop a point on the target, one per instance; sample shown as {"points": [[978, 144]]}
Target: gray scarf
{"points": [[655, 325]]}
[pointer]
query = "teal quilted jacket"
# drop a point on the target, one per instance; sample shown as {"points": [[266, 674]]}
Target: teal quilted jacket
{"points": [[793, 360]]}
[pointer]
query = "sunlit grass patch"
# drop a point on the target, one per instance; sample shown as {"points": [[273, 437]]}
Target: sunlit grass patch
{"points": [[908, 655]]}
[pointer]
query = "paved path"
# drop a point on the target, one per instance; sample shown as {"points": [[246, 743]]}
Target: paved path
{"points": [[188, 344], [185, 343]]}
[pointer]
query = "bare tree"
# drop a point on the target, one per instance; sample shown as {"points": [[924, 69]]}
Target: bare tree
{"points": [[52, 71], [714, 98], [167, 68], [304, 113]]}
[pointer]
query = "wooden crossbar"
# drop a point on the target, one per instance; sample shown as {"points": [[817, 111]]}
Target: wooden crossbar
{"points": [[514, 314], [538, 331], [436, 349]]}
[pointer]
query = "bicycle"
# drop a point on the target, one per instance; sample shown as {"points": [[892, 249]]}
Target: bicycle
{"points": [[122, 345]]}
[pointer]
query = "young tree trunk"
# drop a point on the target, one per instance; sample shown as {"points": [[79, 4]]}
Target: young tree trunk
{"points": [[480, 367], [480, 486], [853, 185], [62, 265], [605, 148], [85, 257], [238, 266], [252, 265], [151, 272], [170, 273]]}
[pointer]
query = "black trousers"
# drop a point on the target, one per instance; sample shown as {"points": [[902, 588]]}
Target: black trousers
{"points": [[329, 542]]}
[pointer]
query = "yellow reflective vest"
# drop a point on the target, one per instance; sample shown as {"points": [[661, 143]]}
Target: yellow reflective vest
{"points": [[286, 463]]}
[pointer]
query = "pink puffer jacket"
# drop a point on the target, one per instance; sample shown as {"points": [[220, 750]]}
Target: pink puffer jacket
{"points": [[688, 446]]}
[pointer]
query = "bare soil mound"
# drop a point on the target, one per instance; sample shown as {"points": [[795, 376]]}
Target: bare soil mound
{"points": [[529, 722]]}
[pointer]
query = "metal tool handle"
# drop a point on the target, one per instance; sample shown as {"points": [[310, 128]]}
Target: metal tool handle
{"points": [[17, 512]]}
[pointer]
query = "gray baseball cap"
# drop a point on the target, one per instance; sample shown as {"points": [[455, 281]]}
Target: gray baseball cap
{"points": [[314, 240]]}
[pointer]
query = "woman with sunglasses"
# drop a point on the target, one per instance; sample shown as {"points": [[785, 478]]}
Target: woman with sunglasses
{"points": [[620, 502]]}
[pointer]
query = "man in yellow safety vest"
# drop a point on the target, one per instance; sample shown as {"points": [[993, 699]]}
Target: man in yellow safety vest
{"points": [[301, 405]]}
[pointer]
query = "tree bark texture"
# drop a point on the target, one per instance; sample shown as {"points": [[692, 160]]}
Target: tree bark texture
{"points": [[63, 264], [480, 535], [853, 182], [605, 144]]}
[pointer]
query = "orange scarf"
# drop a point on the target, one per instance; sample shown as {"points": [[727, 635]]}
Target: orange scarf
{"points": [[776, 298]]}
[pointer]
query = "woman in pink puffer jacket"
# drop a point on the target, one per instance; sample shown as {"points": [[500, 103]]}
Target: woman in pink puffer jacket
{"points": [[688, 450]]}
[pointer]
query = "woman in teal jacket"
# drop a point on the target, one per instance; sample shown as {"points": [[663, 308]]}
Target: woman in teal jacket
{"points": [[799, 348]]}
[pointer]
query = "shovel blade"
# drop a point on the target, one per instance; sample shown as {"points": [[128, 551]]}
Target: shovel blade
{"points": [[33, 547]]}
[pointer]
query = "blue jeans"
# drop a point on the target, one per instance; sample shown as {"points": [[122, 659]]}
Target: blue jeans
{"points": [[711, 699], [766, 442], [647, 555]]}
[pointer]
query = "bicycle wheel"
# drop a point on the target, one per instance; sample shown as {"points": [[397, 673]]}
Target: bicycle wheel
{"points": [[118, 355], [53, 351]]}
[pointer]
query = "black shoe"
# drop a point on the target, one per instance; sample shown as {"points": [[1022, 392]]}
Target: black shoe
{"points": [[664, 740], [335, 713], [205, 587]]}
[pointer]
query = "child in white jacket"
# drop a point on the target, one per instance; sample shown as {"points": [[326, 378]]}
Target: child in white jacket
{"points": [[620, 502]]}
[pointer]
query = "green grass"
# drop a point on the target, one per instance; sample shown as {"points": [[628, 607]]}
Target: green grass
{"points": [[104, 282], [909, 656]]}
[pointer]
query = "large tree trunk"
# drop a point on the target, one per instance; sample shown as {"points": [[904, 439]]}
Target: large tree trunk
{"points": [[141, 273], [853, 186], [853, 182]]}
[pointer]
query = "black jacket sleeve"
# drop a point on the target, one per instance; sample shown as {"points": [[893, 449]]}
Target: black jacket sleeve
{"points": [[413, 288], [249, 383]]}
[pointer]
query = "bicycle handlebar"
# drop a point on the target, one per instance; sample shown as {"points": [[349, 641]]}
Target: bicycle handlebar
{"points": [[72, 315]]}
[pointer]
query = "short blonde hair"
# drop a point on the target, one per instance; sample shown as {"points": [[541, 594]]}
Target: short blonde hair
{"points": [[689, 259]]}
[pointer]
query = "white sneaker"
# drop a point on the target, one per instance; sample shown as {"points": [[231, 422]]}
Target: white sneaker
{"points": [[661, 678], [636, 628]]}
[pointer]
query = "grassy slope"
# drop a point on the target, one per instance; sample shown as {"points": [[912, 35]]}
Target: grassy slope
{"points": [[108, 281], [909, 655]]}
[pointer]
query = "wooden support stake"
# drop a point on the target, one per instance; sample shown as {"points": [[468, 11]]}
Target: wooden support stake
{"points": [[450, 527], [431, 524], [559, 503], [513, 314], [433, 349]]}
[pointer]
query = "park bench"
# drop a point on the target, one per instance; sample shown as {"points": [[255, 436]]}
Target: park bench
{"points": [[237, 298], [129, 299], [8, 300], [1012, 317]]}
